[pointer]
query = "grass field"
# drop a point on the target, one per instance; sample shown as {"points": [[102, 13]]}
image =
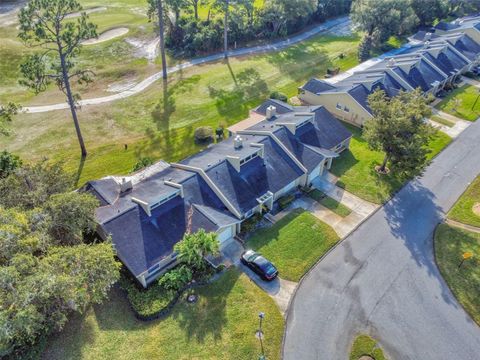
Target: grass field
{"points": [[365, 345], [450, 244], [462, 102], [111, 61], [463, 209], [160, 121], [356, 168], [330, 203], [294, 243], [221, 325]]}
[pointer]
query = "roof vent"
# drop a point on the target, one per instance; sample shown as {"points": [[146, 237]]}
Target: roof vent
{"points": [[391, 62], [125, 185], [238, 142], [428, 36], [271, 112]]}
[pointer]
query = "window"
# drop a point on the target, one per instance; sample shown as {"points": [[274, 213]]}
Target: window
{"points": [[346, 109], [163, 201], [248, 158], [339, 106]]}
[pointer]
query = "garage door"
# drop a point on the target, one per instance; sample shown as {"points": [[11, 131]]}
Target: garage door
{"points": [[225, 234]]}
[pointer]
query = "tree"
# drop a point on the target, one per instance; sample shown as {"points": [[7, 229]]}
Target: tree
{"points": [[155, 8], [175, 6], [462, 7], [37, 294], [427, 11], [31, 186], [380, 19], [398, 128], [71, 215], [43, 24], [194, 247], [6, 114], [194, 4], [8, 163]]}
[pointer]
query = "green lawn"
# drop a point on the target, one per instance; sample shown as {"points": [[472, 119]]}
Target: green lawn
{"points": [[330, 203], [463, 209], [365, 345], [356, 168], [464, 108], [442, 121], [221, 325], [160, 121], [450, 244], [294, 243]]}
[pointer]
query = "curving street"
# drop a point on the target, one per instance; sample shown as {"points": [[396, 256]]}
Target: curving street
{"points": [[382, 279], [333, 26]]}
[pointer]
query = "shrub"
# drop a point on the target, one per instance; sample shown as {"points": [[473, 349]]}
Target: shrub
{"points": [[142, 163], [279, 96], [176, 278], [203, 134], [8, 163], [146, 302], [284, 201], [250, 224]]}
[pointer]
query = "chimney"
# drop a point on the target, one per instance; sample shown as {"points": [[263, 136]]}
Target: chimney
{"points": [[271, 112], [428, 36], [125, 185], [238, 142]]}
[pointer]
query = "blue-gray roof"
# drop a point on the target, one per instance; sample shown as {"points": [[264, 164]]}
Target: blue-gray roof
{"points": [[317, 86], [468, 47], [422, 75]]}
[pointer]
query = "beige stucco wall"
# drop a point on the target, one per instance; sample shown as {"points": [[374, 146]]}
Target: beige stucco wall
{"points": [[357, 115]]}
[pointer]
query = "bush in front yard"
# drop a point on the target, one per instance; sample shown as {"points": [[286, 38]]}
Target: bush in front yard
{"points": [[277, 95], [203, 134], [176, 279], [284, 201]]}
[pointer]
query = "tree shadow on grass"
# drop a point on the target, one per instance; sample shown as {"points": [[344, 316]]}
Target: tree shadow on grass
{"points": [[208, 316], [248, 88]]}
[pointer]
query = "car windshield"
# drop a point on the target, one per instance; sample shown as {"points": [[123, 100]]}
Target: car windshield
{"points": [[265, 265]]}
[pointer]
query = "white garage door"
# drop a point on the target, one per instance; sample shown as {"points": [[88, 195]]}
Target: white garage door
{"points": [[225, 234], [315, 173]]}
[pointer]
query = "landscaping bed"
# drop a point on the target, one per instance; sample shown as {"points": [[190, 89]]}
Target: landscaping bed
{"points": [[460, 103], [295, 243], [364, 345], [220, 325], [450, 244], [355, 168], [330, 203], [463, 210]]}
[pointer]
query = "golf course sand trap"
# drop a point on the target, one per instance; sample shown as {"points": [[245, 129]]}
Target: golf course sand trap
{"points": [[87, 11], [107, 35]]}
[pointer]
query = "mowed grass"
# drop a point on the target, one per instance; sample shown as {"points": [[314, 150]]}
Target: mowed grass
{"points": [[442, 121], [450, 244], [221, 325], [462, 102], [111, 61], [356, 168], [365, 345], [330, 203], [160, 121], [463, 209], [294, 243]]}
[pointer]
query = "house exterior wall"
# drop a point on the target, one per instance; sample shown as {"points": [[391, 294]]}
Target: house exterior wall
{"points": [[356, 116]]}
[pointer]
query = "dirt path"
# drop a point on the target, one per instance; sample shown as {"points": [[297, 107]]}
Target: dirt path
{"points": [[141, 86], [107, 35]]}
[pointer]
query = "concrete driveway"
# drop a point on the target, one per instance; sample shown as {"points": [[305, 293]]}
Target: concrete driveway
{"points": [[279, 289], [383, 280]]}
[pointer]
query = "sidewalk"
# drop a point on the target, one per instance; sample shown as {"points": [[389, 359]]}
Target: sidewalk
{"points": [[454, 131]]}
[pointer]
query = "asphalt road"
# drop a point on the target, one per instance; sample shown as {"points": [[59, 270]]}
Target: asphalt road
{"points": [[329, 26], [383, 280]]}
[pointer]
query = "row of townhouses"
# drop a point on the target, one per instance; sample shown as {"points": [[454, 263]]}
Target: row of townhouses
{"points": [[276, 150], [431, 61]]}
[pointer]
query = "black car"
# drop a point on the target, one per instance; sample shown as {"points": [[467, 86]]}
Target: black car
{"points": [[259, 264]]}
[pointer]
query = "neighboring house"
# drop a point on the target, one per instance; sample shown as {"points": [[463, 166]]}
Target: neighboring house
{"points": [[147, 213], [431, 62]]}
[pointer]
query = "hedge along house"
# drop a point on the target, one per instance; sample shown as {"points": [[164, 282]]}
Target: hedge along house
{"points": [[147, 213], [431, 62]]}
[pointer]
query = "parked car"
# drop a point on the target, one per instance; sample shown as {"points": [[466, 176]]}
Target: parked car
{"points": [[259, 264]]}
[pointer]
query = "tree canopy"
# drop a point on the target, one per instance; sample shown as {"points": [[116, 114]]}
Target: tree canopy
{"points": [[194, 247], [47, 269], [399, 129]]}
